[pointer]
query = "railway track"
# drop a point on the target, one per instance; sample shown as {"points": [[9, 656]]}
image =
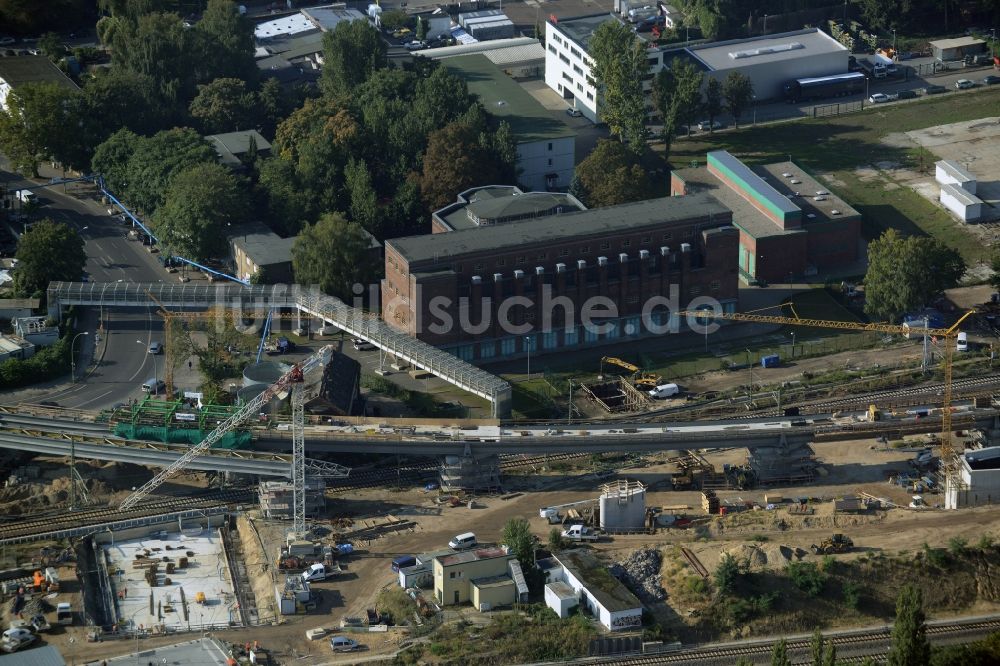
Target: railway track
{"points": [[694, 562], [853, 643], [66, 520]]}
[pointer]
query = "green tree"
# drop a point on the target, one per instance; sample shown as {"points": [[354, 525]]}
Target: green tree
{"points": [[421, 31], [807, 577], [517, 536], [224, 105], [455, 161], [738, 91], [727, 574], [910, 646], [744, 661], [160, 47], [620, 65], [51, 46], [612, 175], [779, 654], [157, 160], [676, 97], [42, 122], [112, 157], [556, 541], [289, 205], [352, 52], [203, 202], [333, 254], [907, 272], [822, 654], [225, 39], [713, 101], [364, 207], [116, 98], [394, 19], [49, 251]]}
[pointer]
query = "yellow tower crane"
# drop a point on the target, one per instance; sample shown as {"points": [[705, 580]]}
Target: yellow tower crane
{"points": [[949, 461]]}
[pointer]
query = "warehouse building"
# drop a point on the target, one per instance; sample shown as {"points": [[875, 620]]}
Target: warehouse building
{"points": [[546, 146], [949, 50], [790, 225], [485, 577], [529, 286], [979, 473], [769, 61], [577, 578]]}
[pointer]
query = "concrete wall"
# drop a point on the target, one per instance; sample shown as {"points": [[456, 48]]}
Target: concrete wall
{"points": [[493, 596], [457, 577], [538, 159], [561, 606], [979, 487], [965, 211], [945, 176], [769, 78]]}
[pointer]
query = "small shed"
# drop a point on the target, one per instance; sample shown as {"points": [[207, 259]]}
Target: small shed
{"points": [[561, 598], [947, 50], [968, 207], [15, 308], [948, 172]]}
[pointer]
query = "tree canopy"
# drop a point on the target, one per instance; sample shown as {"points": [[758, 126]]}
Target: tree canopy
{"points": [[225, 105], [352, 52], [910, 646], [456, 160], [677, 97], [48, 251], [332, 254], [620, 64], [738, 91], [611, 175], [43, 121], [204, 202], [907, 272], [517, 536]]}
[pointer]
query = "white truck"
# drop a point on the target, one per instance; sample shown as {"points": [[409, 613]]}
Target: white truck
{"points": [[321, 571], [64, 613], [580, 533], [26, 196]]}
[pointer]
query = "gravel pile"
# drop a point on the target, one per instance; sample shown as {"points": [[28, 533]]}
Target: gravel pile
{"points": [[640, 571]]}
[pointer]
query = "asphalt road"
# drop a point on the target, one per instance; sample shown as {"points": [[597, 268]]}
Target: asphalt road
{"points": [[117, 340]]}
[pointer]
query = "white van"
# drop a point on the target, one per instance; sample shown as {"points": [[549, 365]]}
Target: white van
{"points": [[463, 541], [962, 344], [154, 386], [664, 391], [26, 197]]}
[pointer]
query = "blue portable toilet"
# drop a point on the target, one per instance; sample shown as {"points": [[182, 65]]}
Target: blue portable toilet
{"points": [[770, 361]]}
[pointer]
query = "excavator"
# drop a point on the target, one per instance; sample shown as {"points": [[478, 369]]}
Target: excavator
{"points": [[643, 380]]}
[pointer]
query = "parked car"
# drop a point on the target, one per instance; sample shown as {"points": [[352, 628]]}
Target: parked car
{"points": [[705, 125], [417, 45], [990, 80], [906, 94], [402, 32], [964, 84], [575, 113], [361, 344], [934, 90], [155, 347], [344, 644], [463, 541], [4, 41], [878, 98], [17, 638]]}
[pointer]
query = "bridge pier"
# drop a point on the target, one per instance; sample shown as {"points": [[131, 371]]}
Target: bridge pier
{"points": [[469, 472]]}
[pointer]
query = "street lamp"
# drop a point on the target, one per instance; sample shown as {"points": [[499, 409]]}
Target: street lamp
{"points": [[750, 387], [156, 377], [527, 347], [754, 109], [72, 357], [894, 43], [765, 24], [793, 344]]}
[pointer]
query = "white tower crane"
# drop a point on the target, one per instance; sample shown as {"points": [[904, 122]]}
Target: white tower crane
{"points": [[294, 381]]}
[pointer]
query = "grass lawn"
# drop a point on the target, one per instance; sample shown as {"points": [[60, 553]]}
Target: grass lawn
{"points": [[838, 145]]}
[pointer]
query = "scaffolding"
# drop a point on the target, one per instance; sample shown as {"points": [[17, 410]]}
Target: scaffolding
{"points": [[176, 421]]}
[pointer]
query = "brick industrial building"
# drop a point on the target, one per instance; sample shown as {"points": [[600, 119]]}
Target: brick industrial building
{"points": [[453, 289], [790, 225]]}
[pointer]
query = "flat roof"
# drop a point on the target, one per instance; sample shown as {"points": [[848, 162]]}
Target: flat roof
{"points": [[507, 100], [581, 29], [814, 198], [497, 201], [698, 181], [607, 589], [197, 652], [328, 17], [576, 225], [963, 196], [736, 53], [956, 43], [286, 25], [754, 183], [473, 555], [502, 580], [18, 70], [561, 590], [43, 655], [230, 145], [983, 459], [11, 303], [956, 170], [261, 245]]}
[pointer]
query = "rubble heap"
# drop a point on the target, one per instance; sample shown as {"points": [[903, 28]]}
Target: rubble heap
{"points": [[640, 571]]}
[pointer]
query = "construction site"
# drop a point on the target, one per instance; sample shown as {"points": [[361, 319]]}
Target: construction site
{"points": [[190, 516]]}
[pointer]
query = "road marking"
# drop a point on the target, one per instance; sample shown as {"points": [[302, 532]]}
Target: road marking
{"points": [[87, 402]]}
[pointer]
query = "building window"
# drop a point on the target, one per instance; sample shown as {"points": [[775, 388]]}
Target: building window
{"points": [[451, 574], [480, 267], [501, 261], [632, 298], [585, 250], [542, 256], [571, 337], [487, 349], [465, 352], [522, 259], [605, 245], [579, 87], [646, 240], [576, 54], [529, 316], [552, 49], [626, 243], [550, 161], [556, 38], [590, 96], [694, 291], [687, 233], [508, 346], [564, 58], [668, 236], [550, 145], [564, 252], [715, 285], [576, 68]]}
